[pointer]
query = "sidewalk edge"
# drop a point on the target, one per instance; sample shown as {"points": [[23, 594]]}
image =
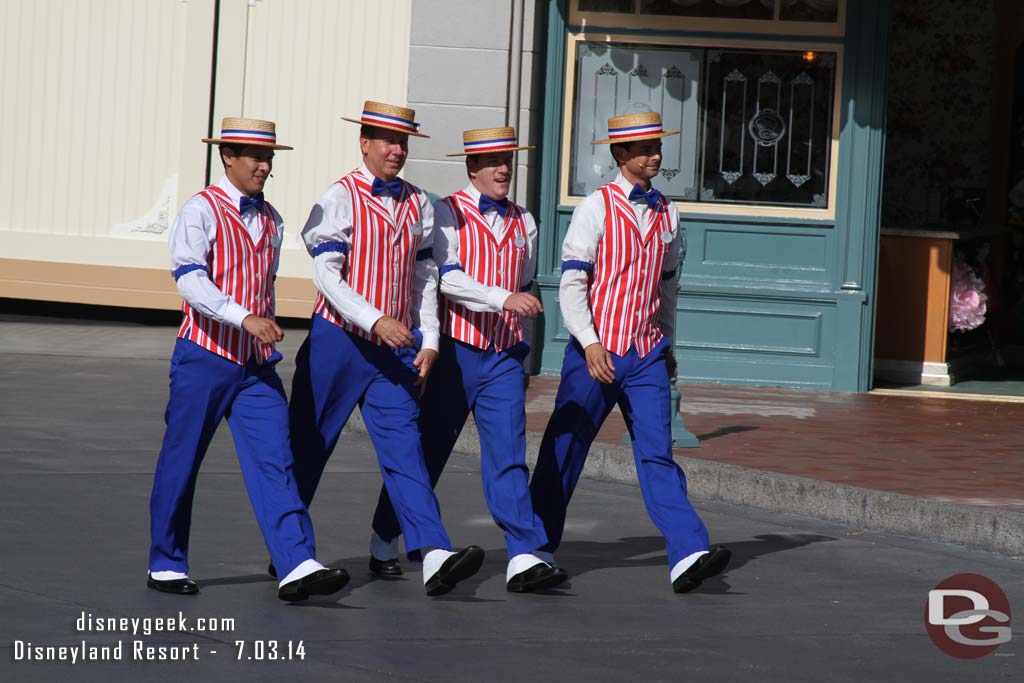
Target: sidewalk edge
{"points": [[993, 529]]}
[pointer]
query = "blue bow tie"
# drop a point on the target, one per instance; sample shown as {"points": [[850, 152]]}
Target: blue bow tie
{"points": [[392, 188], [652, 196], [247, 203], [501, 206]]}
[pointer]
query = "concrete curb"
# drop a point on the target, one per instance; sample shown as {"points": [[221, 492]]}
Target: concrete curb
{"points": [[993, 529]]}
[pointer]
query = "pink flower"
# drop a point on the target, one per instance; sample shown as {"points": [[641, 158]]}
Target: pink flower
{"points": [[967, 298]]}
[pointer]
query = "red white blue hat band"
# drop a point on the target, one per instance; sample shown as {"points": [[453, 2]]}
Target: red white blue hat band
{"points": [[644, 125], [239, 131], [389, 116], [372, 118], [631, 131], [484, 140]]}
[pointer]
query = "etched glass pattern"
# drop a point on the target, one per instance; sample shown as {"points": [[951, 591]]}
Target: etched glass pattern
{"points": [[767, 127], [622, 79]]}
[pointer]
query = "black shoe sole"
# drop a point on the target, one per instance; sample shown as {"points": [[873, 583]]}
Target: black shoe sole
{"points": [[714, 562], [384, 568], [299, 590], [541, 582], [173, 587], [272, 570], [456, 568]]}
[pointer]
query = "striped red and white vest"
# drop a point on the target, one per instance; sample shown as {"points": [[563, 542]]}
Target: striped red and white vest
{"points": [[625, 286], [381, 260], [243, 271], [491, 263]]}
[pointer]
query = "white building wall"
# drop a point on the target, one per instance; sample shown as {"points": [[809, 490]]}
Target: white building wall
{"points": [[101, 102], [104, 105], [459, 78]]}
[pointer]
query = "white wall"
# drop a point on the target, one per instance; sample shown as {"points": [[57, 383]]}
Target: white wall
{"points": [[104, 104], [100, 104], [459, 79]]}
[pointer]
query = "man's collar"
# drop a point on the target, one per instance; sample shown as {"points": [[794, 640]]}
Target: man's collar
{"points": [[627, 186], [234, 194], [473, 192]]}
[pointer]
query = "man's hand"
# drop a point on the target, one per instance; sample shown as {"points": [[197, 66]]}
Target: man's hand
{"points": [[395, 334], [599, 363], [524, 304], [424, 362], [670, 363], [264, 329]]}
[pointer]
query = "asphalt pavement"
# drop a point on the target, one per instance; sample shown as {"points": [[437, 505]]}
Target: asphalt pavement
{"points": [[803, 600]]}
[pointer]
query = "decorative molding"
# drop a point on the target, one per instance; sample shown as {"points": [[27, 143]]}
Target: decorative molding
{"points": [[606, 70], [155, 223]]}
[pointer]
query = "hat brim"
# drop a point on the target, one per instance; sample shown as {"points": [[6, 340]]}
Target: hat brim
{"points": [[488, 151], [245, 143], [637, 138], [383, 125]]}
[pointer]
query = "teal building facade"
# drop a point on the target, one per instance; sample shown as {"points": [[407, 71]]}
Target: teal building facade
{"points": [[776, 172]]}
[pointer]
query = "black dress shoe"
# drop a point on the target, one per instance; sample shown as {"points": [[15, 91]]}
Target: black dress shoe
{"points": [[386, 568], [176, 586], [705, 566], [272, 570], [459, 566], [538, 577], [320, 582]]}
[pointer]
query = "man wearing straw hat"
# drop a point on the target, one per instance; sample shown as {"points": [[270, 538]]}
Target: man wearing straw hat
{"points": [[374, 339], [487, 246], [225, 247], [617, 295]]}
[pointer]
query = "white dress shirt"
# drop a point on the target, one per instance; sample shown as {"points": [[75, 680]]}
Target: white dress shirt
{"points": [[331, 220], [585, 232], [459, 286], [191, 239]]}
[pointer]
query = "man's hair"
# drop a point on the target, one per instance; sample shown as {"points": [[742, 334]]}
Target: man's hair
{"points": [[236, 150], [624, 146], [367, 131], [468, 157]]}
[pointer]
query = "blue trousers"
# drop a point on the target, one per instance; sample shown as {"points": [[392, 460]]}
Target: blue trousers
{"points": [[335, 371], [204, 389], [490, 385], [641, 389]]}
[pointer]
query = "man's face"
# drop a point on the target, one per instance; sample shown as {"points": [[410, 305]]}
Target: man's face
{"points": [[385, 153], [642, 159], [249, 169], [491, 173]]}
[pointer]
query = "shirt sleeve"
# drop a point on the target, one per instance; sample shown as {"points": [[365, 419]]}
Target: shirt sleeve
{"points": [[190, 239], [455, 283], [579, 250], [328, 238], [424, 284], [529, 272], [670, 280]]}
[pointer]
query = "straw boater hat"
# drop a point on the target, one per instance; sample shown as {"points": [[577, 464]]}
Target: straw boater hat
{"points": [[389, 116], [484, 140], [237, 131], [632, 127]]}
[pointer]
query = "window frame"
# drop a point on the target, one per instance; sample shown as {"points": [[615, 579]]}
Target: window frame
{"points": [[668, 22], [696, 207]]}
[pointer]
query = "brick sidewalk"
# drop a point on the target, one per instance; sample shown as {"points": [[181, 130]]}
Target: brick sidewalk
{"points": [[954, 450]]}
